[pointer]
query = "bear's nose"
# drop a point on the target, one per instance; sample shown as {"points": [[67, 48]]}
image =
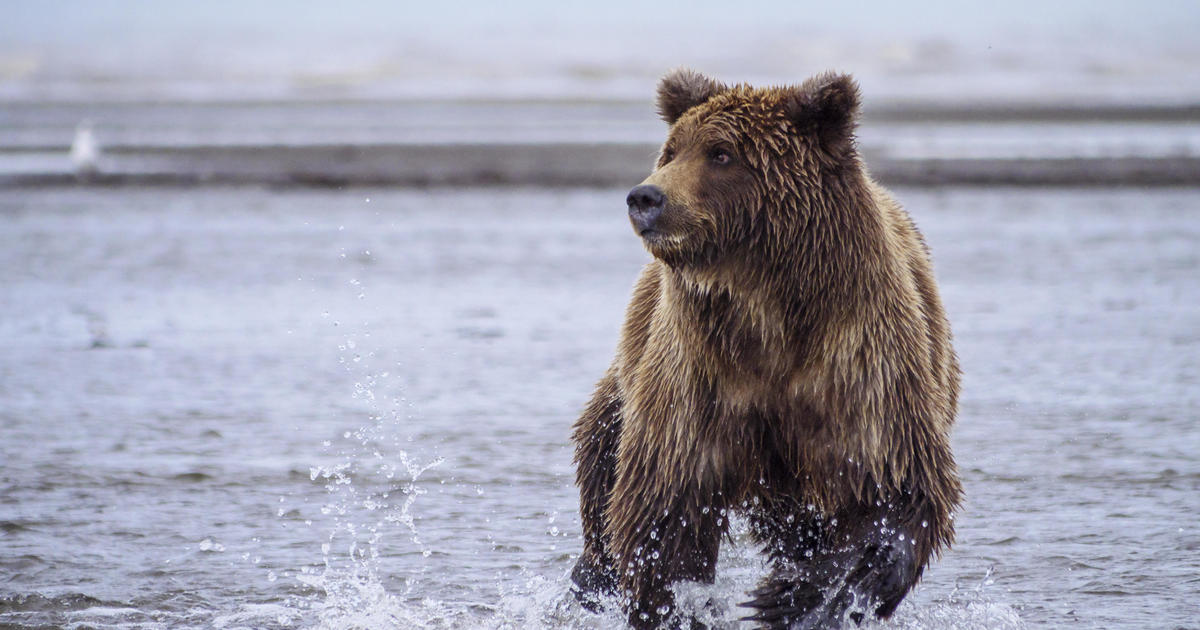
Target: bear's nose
{"points": [[645, 206]]}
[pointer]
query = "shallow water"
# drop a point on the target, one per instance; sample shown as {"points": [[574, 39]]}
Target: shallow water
{"points": [[246, 408]]}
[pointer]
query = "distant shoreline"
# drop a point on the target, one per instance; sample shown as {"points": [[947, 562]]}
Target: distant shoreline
{"points": [[557, 164], [568, 142]]}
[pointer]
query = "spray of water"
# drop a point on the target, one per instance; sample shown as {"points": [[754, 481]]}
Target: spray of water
{"points": [[372, 484]]}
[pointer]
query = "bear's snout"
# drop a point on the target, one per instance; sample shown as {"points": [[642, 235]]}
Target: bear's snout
{"points": [[646, 204]]}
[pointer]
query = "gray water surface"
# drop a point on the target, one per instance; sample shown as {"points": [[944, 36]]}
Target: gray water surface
{"points": [[250, 408]]}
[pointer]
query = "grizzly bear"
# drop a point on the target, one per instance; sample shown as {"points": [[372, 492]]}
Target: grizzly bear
{"points": [[784, 356]]}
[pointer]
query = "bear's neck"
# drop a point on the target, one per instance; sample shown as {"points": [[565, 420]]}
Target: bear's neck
{"points": [[770, 306], [744, 327]]}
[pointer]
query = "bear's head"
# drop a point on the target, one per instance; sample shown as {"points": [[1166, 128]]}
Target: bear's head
{"points": [[745, 171]]}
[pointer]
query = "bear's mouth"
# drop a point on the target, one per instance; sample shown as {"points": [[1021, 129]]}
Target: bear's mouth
{"points": [[661, 244], [657, 240], [651, 234], [658, 236]]}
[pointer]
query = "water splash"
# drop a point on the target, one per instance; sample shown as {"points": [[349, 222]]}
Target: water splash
{"points": [[372, 485], [972, 607], [372, 489]]}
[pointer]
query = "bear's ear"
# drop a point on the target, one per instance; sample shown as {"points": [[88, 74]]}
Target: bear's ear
{"points": [[827, 106], [683, 89]]}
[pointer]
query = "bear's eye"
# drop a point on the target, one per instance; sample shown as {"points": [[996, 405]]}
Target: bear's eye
{"points": [[720, 157], [668, 155]]}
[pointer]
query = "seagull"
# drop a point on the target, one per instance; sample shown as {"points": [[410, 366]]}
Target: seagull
{"points": [[85, 151]]}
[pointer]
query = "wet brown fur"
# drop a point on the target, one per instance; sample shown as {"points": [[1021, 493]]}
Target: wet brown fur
{"points": [[786, 354]]}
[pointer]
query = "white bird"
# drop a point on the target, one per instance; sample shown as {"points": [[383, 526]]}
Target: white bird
{"points": [[85, 151]]}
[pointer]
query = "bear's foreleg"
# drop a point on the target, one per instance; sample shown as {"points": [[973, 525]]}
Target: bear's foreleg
{"points": [[595, 435], [663, 529], [863, 562]]}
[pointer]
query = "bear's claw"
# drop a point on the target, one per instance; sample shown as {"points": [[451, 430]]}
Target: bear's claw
{"points": [[875, 583], [783, 603]]}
